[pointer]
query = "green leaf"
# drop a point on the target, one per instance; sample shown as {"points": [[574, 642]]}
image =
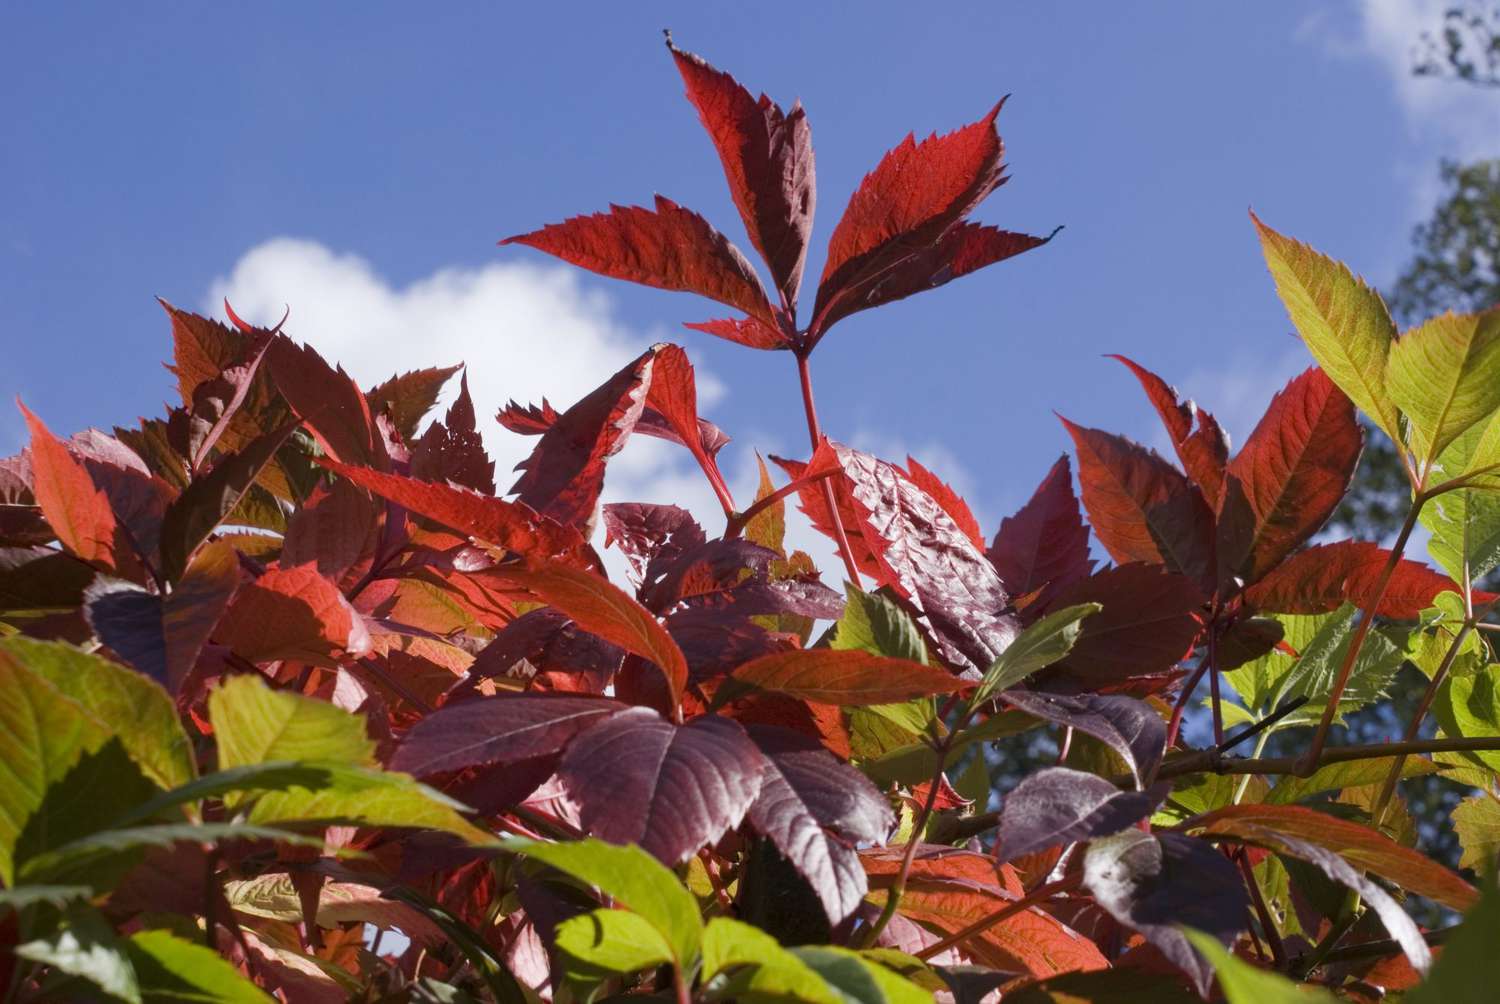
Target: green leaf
{"points": [[1445, 375], [131, 705], [611, 941], [1243, 983], [754, 967], [254, 724], [85, 946], [858, 980], [1465, 972], [1477, 821], [634, 879], [1343, 321], [1470, 706], [1465, 522], [367, 796], [1350, 774], [1041, 644], [170, 970], [276, 775], [1313, 675], [77, 859], [875, 624], [59, 896], [915, 763]]}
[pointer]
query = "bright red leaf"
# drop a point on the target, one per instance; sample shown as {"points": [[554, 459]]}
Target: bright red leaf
{"points": [[293, 613], [849, 678], [76, 509], [1322, 577], [1201, 445]]}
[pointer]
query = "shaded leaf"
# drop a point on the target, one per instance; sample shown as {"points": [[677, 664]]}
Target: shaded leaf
{"points": [[501, 729], [1321, 578], [171, 969], [407, 397], [673, 789], [847, 678], [1148, 623], [1057, 805], [610, 941], [1039, 645], [452, 450], [1128, 726], [86, 946], [1243, 983], [328, 402]]}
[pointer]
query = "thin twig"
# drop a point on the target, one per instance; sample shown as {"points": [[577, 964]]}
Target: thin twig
{"points": [[815, 437]]}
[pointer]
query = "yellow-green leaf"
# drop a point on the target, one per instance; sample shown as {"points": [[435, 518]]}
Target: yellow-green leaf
{"points": [[1445, 375], [254, 724], [612, 941]]}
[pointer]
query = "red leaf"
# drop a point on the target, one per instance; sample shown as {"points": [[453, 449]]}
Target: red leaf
{"points": [[191, 611], [904, 206], [1141, 507], [451, 450], [1044, 546], [1361, 846], [527, 420], [1289, 476], [407, 398], [504, 729], [293, 613], [1320, 578], [670, 248], [848, 678], [639, 779], [329, 402], [943, 494], [565, 472], [513, 526], [673, 393], [768, 162], [601, 608], [967, 247], [336, 528], [647, 533], [76, 509], [1203, 450], [749, 331], [920, 552], [1148, 624]]}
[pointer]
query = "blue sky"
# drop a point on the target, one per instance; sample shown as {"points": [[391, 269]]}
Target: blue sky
{"points": [[358, 163]]}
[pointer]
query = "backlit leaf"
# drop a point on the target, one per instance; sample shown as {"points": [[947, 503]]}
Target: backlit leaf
{"points": [[1243, 983], [849, 678], [1044, 546], [612, 941], [1321, 578], [76, 509], [1039, 645], [292, 613], [171, 969], [1445, 376]]}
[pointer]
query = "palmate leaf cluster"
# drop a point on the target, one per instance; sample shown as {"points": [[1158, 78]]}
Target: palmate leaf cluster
{"points": [[298, 705]]}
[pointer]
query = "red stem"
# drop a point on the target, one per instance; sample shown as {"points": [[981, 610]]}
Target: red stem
{"points": [[815, 437], [1191, 685]]}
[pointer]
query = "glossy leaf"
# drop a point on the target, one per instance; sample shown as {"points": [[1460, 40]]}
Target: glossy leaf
{"points": [[669, 247], [1342, 320], [639, 779], [1128, 726], [88, 948]]}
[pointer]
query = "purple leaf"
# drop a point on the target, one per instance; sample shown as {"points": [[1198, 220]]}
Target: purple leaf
{"points": [[1061, 806], [1127, 726], [650, 534], [451, 450], [673, 789], [814, 807], [1157, 883], [547, 641], [501, 729], [1044, 547]]}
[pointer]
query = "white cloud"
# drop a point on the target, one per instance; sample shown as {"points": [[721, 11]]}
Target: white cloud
{"points": [[525, 331], [1446, 118]]}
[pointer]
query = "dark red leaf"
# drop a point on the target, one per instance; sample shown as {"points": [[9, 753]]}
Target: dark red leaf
{"points": [[503, 729], [943, 494], [750, 331], [1288, 477], [451, 450], [408, 397], [1060, 806], [329, 402], [1141, 507], [669, 248], [76, 509], [211, 497], [815, 808], [1158, 883], [335, 529], [768, 162], [1362, 846], [650, 534], [545, 642], [905, 205], [513, 526], [565, 472], [1150, 618], [293, 613], [40, 577], [191, 611], [1201, 445], [1044, 547], [673, 789], [967, 247], [602, 608], [847, 678], [1129, 727], [1320, 578], [922, 554]]}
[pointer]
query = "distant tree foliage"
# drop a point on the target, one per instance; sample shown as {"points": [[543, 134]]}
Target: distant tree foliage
{"points": [[1467, 48]]}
